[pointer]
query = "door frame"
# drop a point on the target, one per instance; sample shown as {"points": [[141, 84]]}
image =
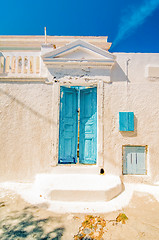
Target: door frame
{"points": [[100, 116]]}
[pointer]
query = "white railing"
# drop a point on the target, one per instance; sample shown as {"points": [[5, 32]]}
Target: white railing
{"points": [[19, 65]]}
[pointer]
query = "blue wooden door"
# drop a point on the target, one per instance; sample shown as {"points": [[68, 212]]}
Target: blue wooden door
{"points": [[88, 126], [134, 160], [68, 125]]}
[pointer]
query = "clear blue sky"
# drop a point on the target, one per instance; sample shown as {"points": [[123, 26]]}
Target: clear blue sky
{"points": [[132, 26]]}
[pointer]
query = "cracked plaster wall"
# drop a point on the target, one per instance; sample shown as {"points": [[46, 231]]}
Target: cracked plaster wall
{"points": [[29, 118]]}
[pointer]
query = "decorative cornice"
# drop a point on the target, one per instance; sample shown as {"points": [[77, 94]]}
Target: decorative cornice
{"points": [[29, 42]]}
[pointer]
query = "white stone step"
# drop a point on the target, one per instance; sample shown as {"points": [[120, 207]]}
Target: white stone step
{"points": [[78, 187]]}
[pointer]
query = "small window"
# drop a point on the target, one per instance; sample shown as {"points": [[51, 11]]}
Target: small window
{"points": [[134, 160], [126, 121]]}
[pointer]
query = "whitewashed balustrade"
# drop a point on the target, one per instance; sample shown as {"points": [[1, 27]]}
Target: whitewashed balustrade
{"points": [[13, 65]]}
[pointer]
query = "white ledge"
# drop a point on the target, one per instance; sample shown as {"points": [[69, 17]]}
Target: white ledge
{"points": [[22, 79]]}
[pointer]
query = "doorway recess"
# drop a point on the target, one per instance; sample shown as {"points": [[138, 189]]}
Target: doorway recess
{"points": [[78, 125]]}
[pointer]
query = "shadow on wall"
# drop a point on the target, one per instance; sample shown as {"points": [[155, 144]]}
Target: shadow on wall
{"points": [[13, 98], [118, 75], [131, 134], [114, 158], [25, 225]]}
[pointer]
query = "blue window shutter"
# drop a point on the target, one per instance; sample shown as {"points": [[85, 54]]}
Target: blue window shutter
{"points": [[123, 121], [130, 121], [126, 121]]}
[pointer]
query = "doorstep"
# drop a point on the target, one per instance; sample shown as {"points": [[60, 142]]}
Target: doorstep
{"points": [[78, 187]]}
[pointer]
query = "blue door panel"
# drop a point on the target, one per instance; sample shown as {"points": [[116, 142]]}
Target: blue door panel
{"points": [[68, 125], [88, 126]]}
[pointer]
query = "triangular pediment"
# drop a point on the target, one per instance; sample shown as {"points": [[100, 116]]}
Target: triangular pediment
{"points": [[78, 51]]}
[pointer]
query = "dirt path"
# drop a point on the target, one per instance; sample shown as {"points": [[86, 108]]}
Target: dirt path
{"points": [[20, 220]]}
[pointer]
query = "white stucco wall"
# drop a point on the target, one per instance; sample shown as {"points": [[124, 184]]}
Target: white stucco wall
{"points": [[139, 94], [26, 123], [29, 117]]}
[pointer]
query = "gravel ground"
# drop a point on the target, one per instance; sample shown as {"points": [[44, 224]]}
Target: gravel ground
{"points": [[21, 220]]}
